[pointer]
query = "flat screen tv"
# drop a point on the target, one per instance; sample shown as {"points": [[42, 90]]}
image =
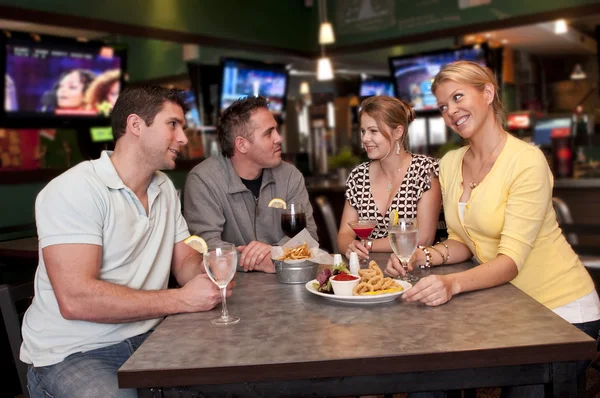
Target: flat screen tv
{"points": [[413, 74], [192, 117], [243, 78], [376, 86], [52, 81]]}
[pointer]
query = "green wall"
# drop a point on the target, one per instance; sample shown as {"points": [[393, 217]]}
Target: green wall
{"points": [[387, 19], [279, 23]]}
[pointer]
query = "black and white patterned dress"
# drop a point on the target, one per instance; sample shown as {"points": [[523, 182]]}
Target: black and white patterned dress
{"points": [[416, 181]]}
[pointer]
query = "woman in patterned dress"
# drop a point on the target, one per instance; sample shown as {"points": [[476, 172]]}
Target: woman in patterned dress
{"points": [[393, 179]]}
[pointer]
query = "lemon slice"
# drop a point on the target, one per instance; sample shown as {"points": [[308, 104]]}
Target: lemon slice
{"points": [[278, 203], [197, 243], [394, 217]]}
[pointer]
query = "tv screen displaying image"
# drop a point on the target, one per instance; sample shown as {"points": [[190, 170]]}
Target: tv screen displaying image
{"points": [[58, 79], [192, 117], [371, 87], [248, 78], [414, 74]]}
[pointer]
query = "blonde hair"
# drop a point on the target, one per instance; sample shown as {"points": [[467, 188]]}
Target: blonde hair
{"points": [[475, 75], [391, 112]]}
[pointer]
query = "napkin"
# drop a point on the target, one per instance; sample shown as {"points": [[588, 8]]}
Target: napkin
{"points": [[318, 255]]}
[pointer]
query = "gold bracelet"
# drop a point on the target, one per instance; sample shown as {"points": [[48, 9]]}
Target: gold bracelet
{"points": [[440, 253], [447, 257]]}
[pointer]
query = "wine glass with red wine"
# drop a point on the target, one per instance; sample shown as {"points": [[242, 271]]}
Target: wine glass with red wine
{"points": [[363, 228], [293, 219]]}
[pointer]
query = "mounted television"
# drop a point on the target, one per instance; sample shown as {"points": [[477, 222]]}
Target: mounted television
{"points": [[192, 117], [413, 74], [376, 86], [243, 78], [58, 82]]}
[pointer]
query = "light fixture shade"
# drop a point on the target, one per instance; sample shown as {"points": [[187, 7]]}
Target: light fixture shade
{"points": [[560, 27], [304, 88], [578, 73], [326, 35], [324, 69]]}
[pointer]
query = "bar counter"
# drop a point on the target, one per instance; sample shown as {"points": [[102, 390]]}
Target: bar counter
{"points": [[290, 342]]}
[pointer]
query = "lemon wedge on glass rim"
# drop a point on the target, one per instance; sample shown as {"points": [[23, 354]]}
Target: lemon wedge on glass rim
{"points": [[394, 217], [278, 203], [197, 243]]}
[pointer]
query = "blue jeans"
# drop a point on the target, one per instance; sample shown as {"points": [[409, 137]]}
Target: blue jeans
{"points": [[85, 374]]}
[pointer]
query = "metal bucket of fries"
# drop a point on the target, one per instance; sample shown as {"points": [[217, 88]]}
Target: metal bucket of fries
{"points": [[301, 272]]}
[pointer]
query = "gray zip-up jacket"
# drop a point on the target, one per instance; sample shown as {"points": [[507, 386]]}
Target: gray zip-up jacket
{"points": [[219, 208]]}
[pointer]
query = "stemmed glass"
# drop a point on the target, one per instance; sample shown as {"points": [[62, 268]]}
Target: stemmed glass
{"points": [[220, 265], [363, 228], [293, 219], [403, 239]]}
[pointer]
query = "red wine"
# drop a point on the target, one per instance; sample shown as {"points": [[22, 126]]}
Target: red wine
{"points": [[293, 223]]}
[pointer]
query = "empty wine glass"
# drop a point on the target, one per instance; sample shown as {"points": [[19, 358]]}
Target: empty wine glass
{"points": [[403, 239], [220, 265]]}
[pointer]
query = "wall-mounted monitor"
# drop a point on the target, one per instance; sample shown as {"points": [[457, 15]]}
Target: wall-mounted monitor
{"points": [[376, 86], [414, 74], [58, 82], [243, 78], [192, 117]]}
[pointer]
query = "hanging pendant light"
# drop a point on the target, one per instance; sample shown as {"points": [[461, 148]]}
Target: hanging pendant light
{"points": [[326, 35], [324, 69]]}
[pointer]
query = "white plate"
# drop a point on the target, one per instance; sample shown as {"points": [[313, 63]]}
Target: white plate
{"points": [[379, 298]]}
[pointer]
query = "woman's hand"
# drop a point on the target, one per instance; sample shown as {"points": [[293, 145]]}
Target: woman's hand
{"points": [[432, 290], [359, 248], [394, 268]]}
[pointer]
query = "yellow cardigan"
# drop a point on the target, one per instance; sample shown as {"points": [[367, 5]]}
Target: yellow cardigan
{"points": [[510, 212]]}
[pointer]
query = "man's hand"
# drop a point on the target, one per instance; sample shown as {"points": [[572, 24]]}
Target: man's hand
{"points": [[201, 294], [253, 256]]}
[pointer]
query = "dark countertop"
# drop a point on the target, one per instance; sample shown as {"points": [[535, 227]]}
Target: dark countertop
{"points": [[287, 333]]}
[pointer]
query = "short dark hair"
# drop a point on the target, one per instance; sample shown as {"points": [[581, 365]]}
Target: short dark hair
{"points": [[146, 102], [235, 121]]}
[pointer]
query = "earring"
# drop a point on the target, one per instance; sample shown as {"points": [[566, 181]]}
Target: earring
{"points": [[397, 147]]}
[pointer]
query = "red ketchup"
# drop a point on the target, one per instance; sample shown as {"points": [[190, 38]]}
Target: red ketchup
{"points": [[345, 277]]}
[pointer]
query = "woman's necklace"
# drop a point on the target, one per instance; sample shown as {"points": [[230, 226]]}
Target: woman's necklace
{"points": [[389, 184], [474, 184]]}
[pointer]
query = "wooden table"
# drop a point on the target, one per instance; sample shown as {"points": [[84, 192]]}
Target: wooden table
{"points": [[290, 342]]}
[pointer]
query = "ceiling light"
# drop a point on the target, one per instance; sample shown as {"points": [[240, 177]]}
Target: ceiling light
{"points": [[324, 69], [560, 27], [488, 35], [578, 73], [326, 35], [304, 88], [504, 41]]}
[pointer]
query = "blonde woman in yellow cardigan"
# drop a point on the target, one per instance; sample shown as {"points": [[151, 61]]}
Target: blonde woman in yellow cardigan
{"points": [[497, 197]]}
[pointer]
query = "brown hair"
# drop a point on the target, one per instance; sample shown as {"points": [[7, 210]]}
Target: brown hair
{"points": [[475, 75], [235, 121], [146, 102], [391, 112]]}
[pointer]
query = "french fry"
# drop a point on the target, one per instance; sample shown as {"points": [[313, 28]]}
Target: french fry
{"points": [[297, 253]]}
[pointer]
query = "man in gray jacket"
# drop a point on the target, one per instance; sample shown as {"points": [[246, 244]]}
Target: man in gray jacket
{"points": [[226, 196]]}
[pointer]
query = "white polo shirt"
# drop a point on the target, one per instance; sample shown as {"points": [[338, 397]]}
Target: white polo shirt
{"points": [[90, 204]]}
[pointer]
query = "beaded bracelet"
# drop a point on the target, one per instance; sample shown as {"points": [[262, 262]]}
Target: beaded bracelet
{"points": [[427, 257]]}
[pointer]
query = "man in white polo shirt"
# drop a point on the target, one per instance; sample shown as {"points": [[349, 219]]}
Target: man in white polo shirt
{"points": [[110, 233]]}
